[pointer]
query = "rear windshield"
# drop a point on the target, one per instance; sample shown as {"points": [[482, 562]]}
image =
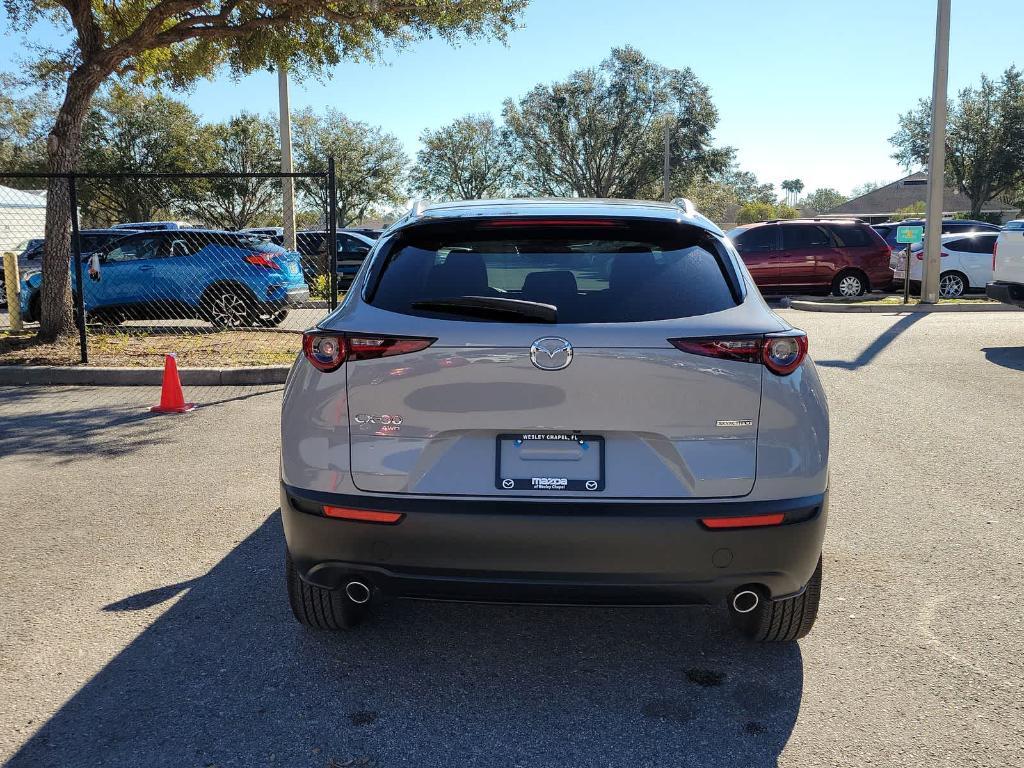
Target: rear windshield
{"points": [[590, 275]]}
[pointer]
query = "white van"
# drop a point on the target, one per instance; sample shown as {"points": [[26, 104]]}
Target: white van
{"points": [[1008, 265]]}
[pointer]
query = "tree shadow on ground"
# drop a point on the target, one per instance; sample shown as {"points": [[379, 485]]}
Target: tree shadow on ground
{"points": [[872, 350], [1008, 357], [225, 677]]}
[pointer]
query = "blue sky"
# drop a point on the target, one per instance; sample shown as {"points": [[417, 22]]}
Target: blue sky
{"points": [[804, 89]]}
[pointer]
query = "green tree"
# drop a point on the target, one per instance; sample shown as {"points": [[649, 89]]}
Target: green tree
{"points": [[823, 200], [599, 132], [175, 42], [247, 143], [752, 212], [867, 186], [369, 163], [912, 211], [745, 185], [468, 159], [792, 188], [984, 138], [24, 121], [130, 131]]}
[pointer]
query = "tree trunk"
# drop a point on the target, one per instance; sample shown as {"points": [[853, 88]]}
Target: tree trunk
{"points": [[62, 150]]}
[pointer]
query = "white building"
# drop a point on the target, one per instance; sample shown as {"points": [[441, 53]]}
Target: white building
{"points": [[22, 217]]}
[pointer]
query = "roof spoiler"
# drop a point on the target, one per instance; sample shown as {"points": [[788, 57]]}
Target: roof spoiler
{"points": [[686, 204]]}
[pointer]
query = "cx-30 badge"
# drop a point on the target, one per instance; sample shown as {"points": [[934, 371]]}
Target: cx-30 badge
{"points": [[551, 353]]}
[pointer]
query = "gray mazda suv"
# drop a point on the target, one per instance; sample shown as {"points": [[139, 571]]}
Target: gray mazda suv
{"points": [[560, 402]]}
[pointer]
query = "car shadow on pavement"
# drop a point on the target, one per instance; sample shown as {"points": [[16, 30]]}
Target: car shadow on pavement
{"points": [[108, 428], [225, 677], [872, 350], [1008, 357]]}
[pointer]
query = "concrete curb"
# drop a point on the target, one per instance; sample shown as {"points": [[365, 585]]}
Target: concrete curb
{"points": [[821, 306], [22, 375]]}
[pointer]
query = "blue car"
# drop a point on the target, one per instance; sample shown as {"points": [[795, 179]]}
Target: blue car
{"points": [[230, 279]]}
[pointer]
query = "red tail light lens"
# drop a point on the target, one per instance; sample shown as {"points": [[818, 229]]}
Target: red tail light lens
{"points": [[780, 353], [325, 351], [262, 260], [783, 354], [527, 222], [747, 350], [372, 347], [329, 351]]}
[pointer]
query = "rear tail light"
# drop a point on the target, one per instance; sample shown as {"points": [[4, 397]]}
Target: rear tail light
{"points": [[329, 351], [995, 250], [919, 255], [780, 353], [262, 260]]}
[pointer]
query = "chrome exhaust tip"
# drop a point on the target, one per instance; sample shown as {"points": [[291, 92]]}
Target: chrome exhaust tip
{"points": [[357, 592], [745, 601]]}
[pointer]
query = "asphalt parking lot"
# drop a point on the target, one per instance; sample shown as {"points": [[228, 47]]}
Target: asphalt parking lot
{"points": [[144, 621]]}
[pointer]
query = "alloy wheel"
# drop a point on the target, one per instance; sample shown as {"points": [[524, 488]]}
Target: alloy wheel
{"points": [[951, 286], [228, 310]]}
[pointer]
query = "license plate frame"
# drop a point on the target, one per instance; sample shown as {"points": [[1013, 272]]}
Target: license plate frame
{"points": [[551, 482]]}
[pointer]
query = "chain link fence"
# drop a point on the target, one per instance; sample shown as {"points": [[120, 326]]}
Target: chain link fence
{"points": [[191, 264]]}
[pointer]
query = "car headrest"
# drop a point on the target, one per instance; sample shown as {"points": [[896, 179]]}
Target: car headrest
{"points": [[461, 274], [550, 287], [630, 270]]}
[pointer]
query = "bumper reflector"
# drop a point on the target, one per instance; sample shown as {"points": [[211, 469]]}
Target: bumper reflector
{"points": [[750, 521], [363, 515]]}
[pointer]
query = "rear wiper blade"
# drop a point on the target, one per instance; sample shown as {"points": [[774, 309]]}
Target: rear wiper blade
{"points": [[512, 310]]}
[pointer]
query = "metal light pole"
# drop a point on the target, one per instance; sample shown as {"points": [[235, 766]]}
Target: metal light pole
{"points": [[936, 161], [667, 169], [287, 182]]}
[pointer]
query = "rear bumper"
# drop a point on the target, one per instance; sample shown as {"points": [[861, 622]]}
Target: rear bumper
{"points": [[289, 296], [551, 551], [1008, 293]]}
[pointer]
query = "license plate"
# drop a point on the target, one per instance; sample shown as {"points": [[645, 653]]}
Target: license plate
{"points": [[549, 461]]}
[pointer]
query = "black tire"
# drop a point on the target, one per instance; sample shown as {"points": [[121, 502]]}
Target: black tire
{"points": [[227, 306], [843, 285], [950, 281], [320, 608], [782, 621], [272, 320]]}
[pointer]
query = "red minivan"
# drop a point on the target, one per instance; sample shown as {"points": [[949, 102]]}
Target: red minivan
{"points": [[843, 256]]}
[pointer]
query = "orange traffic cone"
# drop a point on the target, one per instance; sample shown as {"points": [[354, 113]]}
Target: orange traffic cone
{"points": [[172, 399]]}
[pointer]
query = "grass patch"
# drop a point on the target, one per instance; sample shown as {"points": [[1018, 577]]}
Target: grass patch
{"points": [[914, 300], [143, 349]]}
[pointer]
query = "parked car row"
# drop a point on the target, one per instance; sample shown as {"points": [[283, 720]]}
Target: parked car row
{"points": [[849, 258], [164, 269], [230, 279], [842, 256], [1007, 283]]}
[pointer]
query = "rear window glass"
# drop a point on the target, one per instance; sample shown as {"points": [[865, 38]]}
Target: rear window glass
{"points": [[614, 275], [1014, 225], [851, 235]]}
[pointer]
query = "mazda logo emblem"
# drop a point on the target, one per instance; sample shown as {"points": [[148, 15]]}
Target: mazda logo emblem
{"points": [[551, 353]]}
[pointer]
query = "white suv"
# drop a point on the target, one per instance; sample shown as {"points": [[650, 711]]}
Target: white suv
{"points": [[1008, 265]]}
